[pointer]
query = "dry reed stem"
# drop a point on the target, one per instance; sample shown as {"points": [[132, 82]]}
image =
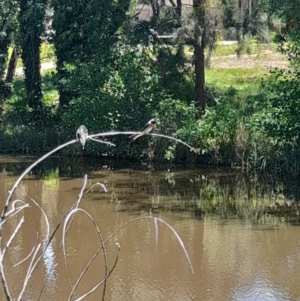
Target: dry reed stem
{"points": [[66, 221]]}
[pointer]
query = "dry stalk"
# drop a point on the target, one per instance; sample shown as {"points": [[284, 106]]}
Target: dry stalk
{"points": [[66, 222]]}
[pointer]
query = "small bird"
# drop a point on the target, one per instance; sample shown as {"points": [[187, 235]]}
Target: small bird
{"points": [[82, 134], [145, 130]]}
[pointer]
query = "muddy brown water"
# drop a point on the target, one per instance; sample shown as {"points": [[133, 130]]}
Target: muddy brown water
{"points": [[243, 241]]}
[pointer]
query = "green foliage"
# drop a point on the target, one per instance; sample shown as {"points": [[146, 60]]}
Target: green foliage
{"points": [[275, 124], [289, 12], [255, 24], [248, 45], [214, 133], [279, 112], [174, 76], [8, 28], [19, 131], [47, 52], [84, 33], [176, 118], [31, 17], [109, 80], [218, 129], [121, 96], [18, 107], [19, 135], [27, 139], [229, 13]]}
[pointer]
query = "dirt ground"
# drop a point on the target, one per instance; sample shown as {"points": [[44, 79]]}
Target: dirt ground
{"points": [[265, 59]]}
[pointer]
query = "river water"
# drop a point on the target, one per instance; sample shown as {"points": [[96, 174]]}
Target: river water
{"points": [[241, 234]]}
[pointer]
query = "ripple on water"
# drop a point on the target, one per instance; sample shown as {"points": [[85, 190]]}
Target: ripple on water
{"points": [[260, 290]]}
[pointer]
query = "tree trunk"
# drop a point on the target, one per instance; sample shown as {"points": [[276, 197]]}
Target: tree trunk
{"points": [[200, 97], [179, 9], [12, 66], [4, 44], [33, 78], [199, 45], [31, 19]]}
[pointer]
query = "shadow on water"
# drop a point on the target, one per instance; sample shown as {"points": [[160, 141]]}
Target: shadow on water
{"points": [[237, 229], [192, 192]]}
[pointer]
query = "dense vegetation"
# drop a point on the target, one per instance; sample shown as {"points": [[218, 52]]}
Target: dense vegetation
{"points": [[114, 73]]}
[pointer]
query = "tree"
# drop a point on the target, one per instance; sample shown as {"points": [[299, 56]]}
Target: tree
{"points": [[193, 29], [31, 17], [84, 30], [8, 24], [229, 13], [199, 60], [198, 36], [288, 10], [12, 65]]}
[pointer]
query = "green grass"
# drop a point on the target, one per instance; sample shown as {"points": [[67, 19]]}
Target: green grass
{"points": [[50, 93], [47, 54], [249, 47], [241, 79], [222, 50]]}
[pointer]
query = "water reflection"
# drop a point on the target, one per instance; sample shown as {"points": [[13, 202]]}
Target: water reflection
{"points": [[239, 233], [49, 200], [260, 290]]}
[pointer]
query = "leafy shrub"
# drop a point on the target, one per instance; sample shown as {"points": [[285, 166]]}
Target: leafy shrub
{"points": [[120, 96]]}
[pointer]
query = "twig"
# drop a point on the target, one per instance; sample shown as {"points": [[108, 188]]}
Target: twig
{"points": [[66, 230], [7, 214], [14, 210], [28, 169], [156, 219], [156, 232], [180, 242], [115, 133], [100, 283], [102, 141], [102, 247], [13, 235], [29, 273], [46, 220]]}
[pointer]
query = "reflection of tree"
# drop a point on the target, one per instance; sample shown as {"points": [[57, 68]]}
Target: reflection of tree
{"points": [[228, 195], [197, 193], [46, 250], [235, 195]]}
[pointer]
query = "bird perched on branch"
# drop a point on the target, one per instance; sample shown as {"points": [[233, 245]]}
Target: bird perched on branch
{"points": [[82, 134], [145, 130]]}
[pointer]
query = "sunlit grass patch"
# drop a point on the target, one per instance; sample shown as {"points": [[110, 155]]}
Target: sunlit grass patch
{"points": [[47, 53], [238, 78], [225, 49], [249, 47], [220, 50], [50, 92]]}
